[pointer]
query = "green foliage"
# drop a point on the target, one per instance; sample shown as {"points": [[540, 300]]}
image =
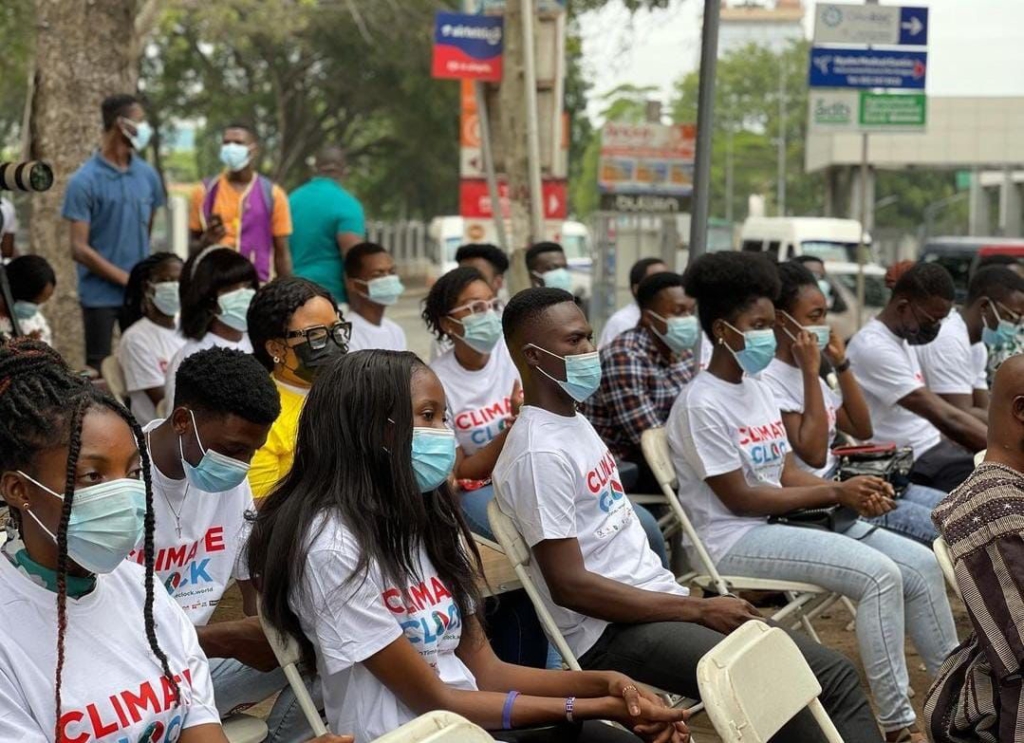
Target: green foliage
{"points": [[16, 37]]}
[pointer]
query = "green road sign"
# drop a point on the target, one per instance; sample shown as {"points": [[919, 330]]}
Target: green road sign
{"points": [[895, 110]]}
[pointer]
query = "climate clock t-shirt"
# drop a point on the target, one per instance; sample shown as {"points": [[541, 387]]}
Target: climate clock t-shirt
{"points": [[717, 427], [112, 688], [349, 618]]}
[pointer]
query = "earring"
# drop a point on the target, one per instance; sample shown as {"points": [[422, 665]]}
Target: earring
{"points": [[277, 360]]}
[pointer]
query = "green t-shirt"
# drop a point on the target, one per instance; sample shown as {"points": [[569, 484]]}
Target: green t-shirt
{"points": [[321, 210]]}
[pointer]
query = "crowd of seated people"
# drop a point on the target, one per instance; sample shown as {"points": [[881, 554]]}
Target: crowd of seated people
{"points": [[278, 444]]}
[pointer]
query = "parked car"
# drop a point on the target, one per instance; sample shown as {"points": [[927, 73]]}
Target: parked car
{"points": [[842, 275], [960, 255], [785, 238]]}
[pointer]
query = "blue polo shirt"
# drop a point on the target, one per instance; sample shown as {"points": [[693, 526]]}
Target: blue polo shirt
{"points": [[321, 210], [118, 205]]}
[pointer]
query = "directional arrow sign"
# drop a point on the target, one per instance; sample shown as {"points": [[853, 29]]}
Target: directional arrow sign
{"points": [[863, 68], [475, 202], [870, 24]]}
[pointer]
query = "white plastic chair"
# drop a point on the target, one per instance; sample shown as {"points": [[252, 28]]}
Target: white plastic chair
{"points": [[805, 599], [288, 654], [162, 408], [980, 457], [437, 727], [941, 550], [755, 681], [113, 375], [244, 729]]}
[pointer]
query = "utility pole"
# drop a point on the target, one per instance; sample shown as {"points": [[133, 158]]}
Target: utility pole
{"points": [[863, 197], [705, 124], [780, 195]]}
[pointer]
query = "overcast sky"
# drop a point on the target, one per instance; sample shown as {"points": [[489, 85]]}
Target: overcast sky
{"points": [[976, 46]]}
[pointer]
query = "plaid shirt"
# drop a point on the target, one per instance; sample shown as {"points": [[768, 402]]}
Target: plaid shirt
{"points": [[638, 386]]}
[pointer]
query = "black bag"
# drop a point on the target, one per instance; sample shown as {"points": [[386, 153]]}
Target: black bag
{"points": [[887, 461], [827, 518]]}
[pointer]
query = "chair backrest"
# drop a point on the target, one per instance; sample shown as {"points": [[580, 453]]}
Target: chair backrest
{"points": [[162, 407], [980, 457], [941, 550], [654, 444], [242, 728], [518, 553], [437, 727], [113, 375], [756, 680], [289, 654]]}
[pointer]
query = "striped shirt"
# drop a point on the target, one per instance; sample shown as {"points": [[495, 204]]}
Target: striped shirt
{"points": [[977, 693]]}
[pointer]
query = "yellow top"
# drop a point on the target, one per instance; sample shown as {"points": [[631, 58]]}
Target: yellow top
{"points": [[274, 460]]}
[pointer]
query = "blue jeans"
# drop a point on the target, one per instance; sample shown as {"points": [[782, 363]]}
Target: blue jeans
{"points": [[894, 581], [237, 686], [912, 516]]}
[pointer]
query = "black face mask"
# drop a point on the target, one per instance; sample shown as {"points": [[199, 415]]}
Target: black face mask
{"points": [[311, 361], [925, 334]]}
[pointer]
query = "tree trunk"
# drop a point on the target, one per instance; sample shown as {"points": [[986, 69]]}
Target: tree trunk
{"points": [[513, 128], [83, 54]]}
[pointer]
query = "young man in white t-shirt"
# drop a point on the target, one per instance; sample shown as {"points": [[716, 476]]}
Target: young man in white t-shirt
{"points": [[615, 604], [627, 317], [372, 284], [903, 410], [224, 406], [955, 365]]}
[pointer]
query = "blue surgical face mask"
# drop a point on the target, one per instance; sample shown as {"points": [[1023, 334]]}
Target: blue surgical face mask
{"points": [[234, 307], [384, 290], [582, 373], [1005, 332], [143, 133], [481, 332], [166, 297], [107, 522], [681, 332], [235, 156], [215, 473], [556, 278], [433, 456], [822, 333], [758, 350], [25, 310]]}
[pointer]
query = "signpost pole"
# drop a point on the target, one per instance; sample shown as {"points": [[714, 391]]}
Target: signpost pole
{"points": [[705, 123], [863, 187], [488, 157], [532, 124]]}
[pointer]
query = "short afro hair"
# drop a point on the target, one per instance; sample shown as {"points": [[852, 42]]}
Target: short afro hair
{"points": [[995, 282], [272, 308], [639, 270], [116, 106], [525, 306], [725, 284], [29, 275], [793, 276], [653, 285], [538, 249], [222, 381], [354, 257], [245, 127], [444, 294], [998, 259], [490, 253], [924, 281]]}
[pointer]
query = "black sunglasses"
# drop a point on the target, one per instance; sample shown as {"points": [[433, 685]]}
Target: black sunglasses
{"points": [[340, 333]]}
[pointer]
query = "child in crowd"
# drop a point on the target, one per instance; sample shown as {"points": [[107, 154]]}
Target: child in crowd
{"points": [[32, 283]]}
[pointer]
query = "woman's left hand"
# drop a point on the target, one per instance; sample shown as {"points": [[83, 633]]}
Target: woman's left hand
{"points": [[623, 687]]}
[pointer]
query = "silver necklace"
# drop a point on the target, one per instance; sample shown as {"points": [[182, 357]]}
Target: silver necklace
{"points": [[177, 514]]}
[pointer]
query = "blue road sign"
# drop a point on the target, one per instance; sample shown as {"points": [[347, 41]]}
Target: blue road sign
{"points": [[913, 26], [833, 67]]}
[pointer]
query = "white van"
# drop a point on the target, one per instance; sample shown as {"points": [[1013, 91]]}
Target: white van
{"points": [[784, 238]]}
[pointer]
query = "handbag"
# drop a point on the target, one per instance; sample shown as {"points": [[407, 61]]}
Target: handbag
{"points": [[887, 461], [827, 518]]}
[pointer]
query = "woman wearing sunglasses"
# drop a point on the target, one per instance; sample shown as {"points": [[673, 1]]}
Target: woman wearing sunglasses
{"points": [[295, 329]]}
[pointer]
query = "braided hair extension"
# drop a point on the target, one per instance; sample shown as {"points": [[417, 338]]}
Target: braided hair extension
{"points": [[42, 405]]}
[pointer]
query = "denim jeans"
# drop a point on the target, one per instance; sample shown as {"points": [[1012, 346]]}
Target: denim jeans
{"points": [[895, 582], [912, 516], [237, 686]]}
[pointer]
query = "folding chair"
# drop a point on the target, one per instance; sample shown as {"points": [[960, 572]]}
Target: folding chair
{"points": [[755, 681], [980, 457], [288, 654], [113, 375], [437, 727], [941, 550], [802, 597], [244, 729]]}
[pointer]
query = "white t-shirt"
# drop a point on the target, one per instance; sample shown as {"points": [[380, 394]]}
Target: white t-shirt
{"points": [[787, 385], [208, 341], [112, 689], [556, 479], [706, 349], [717, 427], [951, 364], [886, 368], [349, 621], [197, 567], [10, 218], [36, 323], [387, 336], [478, 400], [624, 318], [145, 354]]}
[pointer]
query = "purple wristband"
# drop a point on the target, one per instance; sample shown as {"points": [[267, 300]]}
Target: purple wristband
{"points": [[506, 713]]}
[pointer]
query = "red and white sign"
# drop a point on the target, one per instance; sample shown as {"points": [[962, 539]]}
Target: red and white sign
{"points": [[678, 141], [475, 202]]}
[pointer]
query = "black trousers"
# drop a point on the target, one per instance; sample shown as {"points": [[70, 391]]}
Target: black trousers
{"points": [[99, 333], [665, 655], [943, 467]]}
